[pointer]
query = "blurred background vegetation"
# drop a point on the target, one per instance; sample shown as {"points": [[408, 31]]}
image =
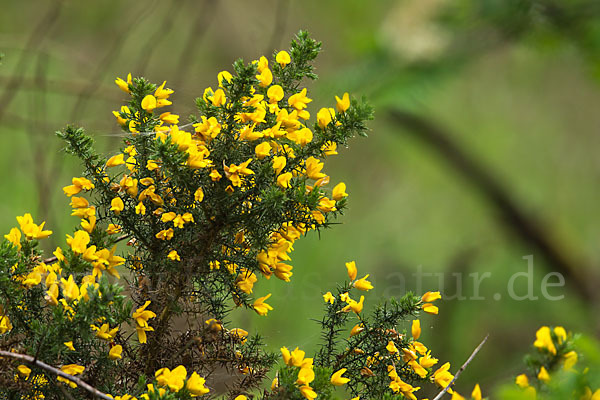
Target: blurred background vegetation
{"points": [[483, 151]]}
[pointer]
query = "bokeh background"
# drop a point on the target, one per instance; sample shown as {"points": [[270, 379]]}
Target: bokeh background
{"points": [[484, 149]]}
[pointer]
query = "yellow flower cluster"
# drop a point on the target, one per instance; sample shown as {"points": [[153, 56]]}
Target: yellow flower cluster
{"points": [[306, 373], [177, 378], [550, 342]]}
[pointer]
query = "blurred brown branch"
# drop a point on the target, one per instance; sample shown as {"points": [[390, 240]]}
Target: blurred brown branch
{"points": [[33, 43], [510, 213]]}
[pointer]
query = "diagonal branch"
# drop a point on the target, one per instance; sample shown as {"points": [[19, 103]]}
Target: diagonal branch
{"points": [[462, 368], [510, 213], [37, 363]]}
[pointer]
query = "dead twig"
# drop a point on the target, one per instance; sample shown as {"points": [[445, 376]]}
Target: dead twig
{"points": [[37, 363], [462, 368]]}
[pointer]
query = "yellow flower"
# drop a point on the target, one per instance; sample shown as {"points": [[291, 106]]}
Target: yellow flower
{"points": [[262, 150], [117, 205], [52, 294], [430, 308], [324, 117], [245, 281], [427, 361], [306, 374], [70, 288], [173, 255], [442, 377], [78, 185], [261, 307], [172, 379], [279, 163], [112, 229], [265, 77], [416, 329], [283, 58], [124, 85], [543, 375], [456, 396], [199, 195], [151, 165], [339, 191], [329, 148], [14, 236], [5, 324], [299, 100], [308, 392], [161, 93], [31, 230], [391, 347], [328, 298], [115, 352], [313, 168], [165, 234], [24, 371], [71, 369], [224, 75], [105, 333], [69, 345], [141, 315], [169, 118], [337, 379], [78, 242], [543, 340], [352, 271], [115, 160], [560, 333], [363, 284], [140, 208], [522, 381], [149, 103], [356, 329], [476, 394], [570, 360], [195, 385], [342, 104], [219, 98], [275, 93], [215, 175], [430, 297], [283, 180], [238, 334], [354, 305]]}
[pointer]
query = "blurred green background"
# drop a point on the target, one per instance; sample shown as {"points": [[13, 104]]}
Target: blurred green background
{"points": [[490, 157]]}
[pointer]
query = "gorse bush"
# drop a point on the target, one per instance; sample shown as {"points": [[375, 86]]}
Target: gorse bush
{"points": [[207, 208]]}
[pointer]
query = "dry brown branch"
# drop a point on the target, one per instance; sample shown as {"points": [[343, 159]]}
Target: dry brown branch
{"points": [[37, 363]]}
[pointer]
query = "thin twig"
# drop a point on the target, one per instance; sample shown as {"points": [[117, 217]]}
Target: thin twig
{"points": [[30, 360], [462, 368]]}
